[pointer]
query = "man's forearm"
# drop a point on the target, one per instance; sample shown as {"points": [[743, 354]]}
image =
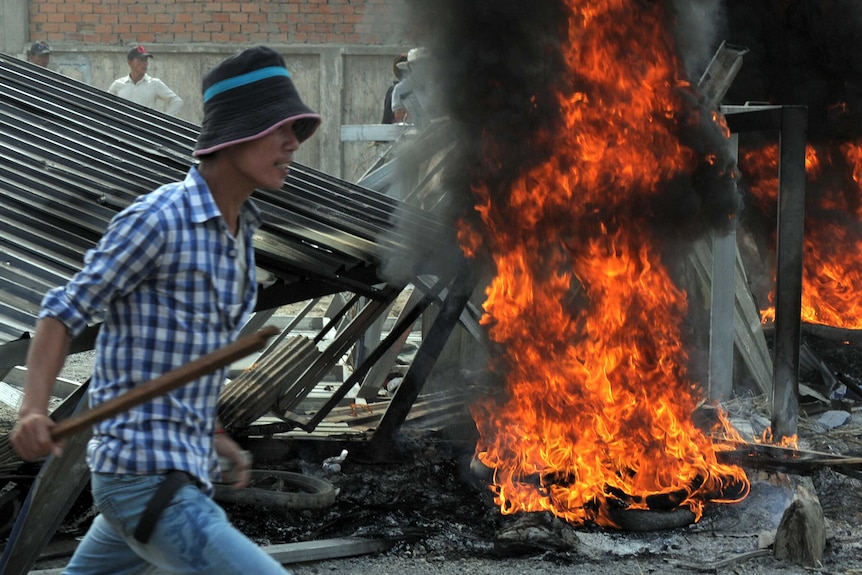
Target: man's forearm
{"points": [[45, 359]]}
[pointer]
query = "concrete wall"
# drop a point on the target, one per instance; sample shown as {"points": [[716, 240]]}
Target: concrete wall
{"points": [[14, 25]]}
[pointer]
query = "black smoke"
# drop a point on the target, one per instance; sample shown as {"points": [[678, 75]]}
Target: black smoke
{"points": [[501, 70], [801, 52], [499, 67]]}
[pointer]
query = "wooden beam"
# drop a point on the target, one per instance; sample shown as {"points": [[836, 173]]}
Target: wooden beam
{"points": [[749, 339], [290, 553], [59, 483]]}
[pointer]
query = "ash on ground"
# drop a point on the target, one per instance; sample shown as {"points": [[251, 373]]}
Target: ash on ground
{"points": [[429, 503], [424, 499]]}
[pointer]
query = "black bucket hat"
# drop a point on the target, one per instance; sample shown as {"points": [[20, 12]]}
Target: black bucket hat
{"points": [[247, 96]]}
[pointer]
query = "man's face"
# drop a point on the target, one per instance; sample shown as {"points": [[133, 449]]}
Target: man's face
{"points": [[265, 161], [40, 59], [138, 67]]}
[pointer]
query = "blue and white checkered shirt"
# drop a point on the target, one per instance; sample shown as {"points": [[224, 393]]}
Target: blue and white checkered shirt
{"points": [[164, 279]]}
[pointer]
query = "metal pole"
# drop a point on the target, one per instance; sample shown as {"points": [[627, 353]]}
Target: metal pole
{"points": [[788, 289]]}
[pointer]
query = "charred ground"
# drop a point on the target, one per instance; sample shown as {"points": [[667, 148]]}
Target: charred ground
{"points": [[421, 496]]}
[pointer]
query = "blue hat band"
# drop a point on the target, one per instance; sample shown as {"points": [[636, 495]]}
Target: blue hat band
{"points": [[244, 79]]}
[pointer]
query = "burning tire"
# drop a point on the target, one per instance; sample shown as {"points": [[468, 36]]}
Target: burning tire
{"points": [[283, 489], [645, 520]]}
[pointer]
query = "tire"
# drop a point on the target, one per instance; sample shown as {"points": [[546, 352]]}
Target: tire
{"points": [[283, 489], [648, 521]]}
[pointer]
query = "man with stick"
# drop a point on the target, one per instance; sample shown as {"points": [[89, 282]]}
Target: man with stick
{"points": [[173, 278]]}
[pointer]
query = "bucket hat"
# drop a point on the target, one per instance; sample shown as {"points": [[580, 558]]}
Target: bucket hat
{"points": [[247, 96]]}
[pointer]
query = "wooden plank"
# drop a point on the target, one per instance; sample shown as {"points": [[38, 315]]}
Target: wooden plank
{"points": [[290, 553], [720, 73], [293, 396], [377, 375], [748, 336], [788, 273], [11, 395], [748, 332], [750, 342], [58, 484], [63, 387]]}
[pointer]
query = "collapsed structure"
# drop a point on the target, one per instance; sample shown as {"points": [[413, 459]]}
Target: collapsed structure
{"points": [[72, 156]]}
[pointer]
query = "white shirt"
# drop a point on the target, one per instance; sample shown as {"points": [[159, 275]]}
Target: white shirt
{"points": [[147, 92], [409, 95]]}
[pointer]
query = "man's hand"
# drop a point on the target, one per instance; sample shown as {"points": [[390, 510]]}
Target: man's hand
{"points": [[240, 460], [31, 437]]}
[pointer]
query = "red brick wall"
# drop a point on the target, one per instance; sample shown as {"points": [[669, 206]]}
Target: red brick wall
{"points": [[362, 22]]}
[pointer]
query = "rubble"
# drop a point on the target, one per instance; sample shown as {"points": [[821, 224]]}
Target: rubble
{"points": [[435, 512]]}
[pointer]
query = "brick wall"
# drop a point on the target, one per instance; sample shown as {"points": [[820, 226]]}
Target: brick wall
{"points": [[123, 22]]}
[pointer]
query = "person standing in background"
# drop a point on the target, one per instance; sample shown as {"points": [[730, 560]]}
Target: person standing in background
{"points": [[388, 116], [39, 53], [141, 88], [414, 97]]}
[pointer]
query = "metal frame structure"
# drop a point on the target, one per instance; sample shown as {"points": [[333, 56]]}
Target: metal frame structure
{"points": [[791, 122]]}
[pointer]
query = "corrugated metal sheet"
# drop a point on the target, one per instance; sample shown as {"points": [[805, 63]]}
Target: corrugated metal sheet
{"points": [[71, 156]]}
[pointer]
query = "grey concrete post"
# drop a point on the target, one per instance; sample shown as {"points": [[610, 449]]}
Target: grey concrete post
{"points": [[14, 26], [331, 89]]}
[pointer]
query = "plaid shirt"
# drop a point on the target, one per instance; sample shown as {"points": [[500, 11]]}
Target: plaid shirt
{"points": [[164, 279]]}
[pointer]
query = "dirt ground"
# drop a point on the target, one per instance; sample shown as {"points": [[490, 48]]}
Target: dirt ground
{"points": [[443, 520], [439, 517]]}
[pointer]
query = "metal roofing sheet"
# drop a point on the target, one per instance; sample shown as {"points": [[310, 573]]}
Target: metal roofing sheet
{"points": [[72, 155]]}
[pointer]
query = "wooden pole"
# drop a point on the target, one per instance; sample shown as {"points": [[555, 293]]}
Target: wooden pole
{"points": [[166, 382]]}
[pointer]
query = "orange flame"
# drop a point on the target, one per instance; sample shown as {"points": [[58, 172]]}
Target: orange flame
{"points": [[831, 268], [597, 413]]}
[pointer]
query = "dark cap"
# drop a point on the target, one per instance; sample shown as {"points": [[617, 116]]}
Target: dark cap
{"points": [[247, 96], [39, 48], [138, 52]]}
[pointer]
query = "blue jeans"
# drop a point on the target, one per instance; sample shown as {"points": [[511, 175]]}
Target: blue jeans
{"points": [[193, 534]]}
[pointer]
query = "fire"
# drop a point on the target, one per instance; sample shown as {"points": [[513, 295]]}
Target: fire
{"points": [[598, 403], [831, 269]]}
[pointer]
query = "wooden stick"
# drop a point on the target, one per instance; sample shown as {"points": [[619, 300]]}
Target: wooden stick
{"points": [[165, 382], [785, 452]]}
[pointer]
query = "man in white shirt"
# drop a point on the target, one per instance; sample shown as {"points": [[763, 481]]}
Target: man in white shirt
{"points": [[141, 88], [413, 97]]}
